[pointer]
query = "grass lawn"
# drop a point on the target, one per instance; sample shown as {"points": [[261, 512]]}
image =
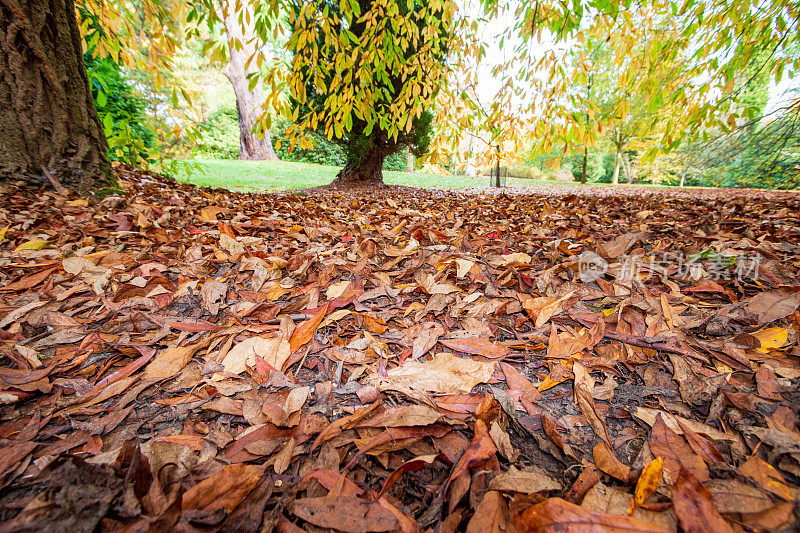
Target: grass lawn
{"points": [[281, 175]]}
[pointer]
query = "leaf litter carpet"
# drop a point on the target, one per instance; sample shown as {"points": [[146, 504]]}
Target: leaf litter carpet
{"points": [[399, 360]]}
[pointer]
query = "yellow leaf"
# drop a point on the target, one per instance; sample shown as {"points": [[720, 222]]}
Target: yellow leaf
{"points": [[31, 245], [3, 233], [647, 483], [548, 383], [771, 338]]}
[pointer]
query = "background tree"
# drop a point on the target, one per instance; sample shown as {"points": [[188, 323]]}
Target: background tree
{"points": [[365, 73], [702, 45], [242, 70]]}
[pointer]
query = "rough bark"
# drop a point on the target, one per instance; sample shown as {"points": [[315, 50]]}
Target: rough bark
{"points": [[248, 103], [48, 122], [368, 171]]}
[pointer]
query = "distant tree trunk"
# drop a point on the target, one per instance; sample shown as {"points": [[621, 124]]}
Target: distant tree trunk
{"points": [[47, 115], [409, 160], [683, 178], [248, 103], [617, 164], [583, 168], [367, 171], [626, 166]]}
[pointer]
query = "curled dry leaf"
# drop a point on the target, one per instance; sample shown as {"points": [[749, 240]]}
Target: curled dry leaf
{"points": [[477, 346], [227, 488], [606, 461], [445, 373], [412, 465], [584, 383], [555, 514], [275, 351]]}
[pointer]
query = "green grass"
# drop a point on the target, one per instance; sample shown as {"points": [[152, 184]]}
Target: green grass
{"points": [[280, 175], [255, 176]]}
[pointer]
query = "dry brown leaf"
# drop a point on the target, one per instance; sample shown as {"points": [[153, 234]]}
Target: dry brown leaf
{"points": [[445, 373], [555, 514], [274, 350], [227, 488]]}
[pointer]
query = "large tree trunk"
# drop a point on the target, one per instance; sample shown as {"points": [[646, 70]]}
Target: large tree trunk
{"points": [[48, 122], [248, 103], [368, 171]]}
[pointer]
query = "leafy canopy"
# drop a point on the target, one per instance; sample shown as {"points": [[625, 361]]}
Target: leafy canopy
{"points": [[367, 69]]}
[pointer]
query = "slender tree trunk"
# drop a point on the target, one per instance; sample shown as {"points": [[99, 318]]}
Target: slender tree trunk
{"points": [[409, 160], [48, 122], [626, 167], [248, 103], [585, 161], [683, 178], [368, 171], [617, 164]]}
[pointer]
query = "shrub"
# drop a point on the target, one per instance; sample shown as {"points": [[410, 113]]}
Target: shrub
{"points": [[220, 138], [121, 111]]}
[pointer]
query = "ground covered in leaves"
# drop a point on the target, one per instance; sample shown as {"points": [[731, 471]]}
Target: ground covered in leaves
{"points": [[398, 360]]}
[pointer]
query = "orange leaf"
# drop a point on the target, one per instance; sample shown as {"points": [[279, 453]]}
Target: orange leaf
{"points": [[303, 334], [555, 514]]}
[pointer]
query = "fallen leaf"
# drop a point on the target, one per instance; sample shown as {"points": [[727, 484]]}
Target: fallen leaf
{"points": [[555, 514], [227, 488], [606, 461], [771, 338], [584, 383], [36, 244], [275, 351], [491, 515], [676, 452], [445, 373], [694, 506], [477, 346], [767, 477], [344, 513], [647, 483], [303, 334], [526, 482]]}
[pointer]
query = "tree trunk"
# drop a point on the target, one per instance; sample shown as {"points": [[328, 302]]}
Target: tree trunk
{"points": [[409, 160], [626, 167], [617, 164], [248, 103], [369, 171], [48, 122], [585, 161]]}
